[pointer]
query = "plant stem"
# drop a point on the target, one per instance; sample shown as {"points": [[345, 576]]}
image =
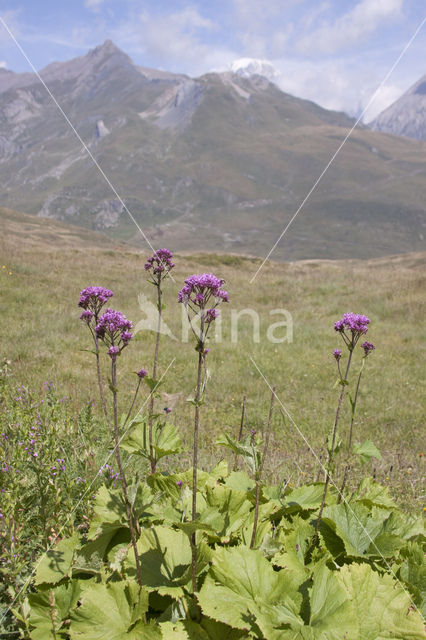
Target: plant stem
{"points": [[195, 454], [331, 448], [129, 511], [260, 470], [133, 403], [240, 433], [154, 374], [347, 466], [100, 385]]}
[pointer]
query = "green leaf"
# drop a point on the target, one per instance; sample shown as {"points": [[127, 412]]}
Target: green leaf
{"points": [[108, 611], [308, 496], [226, 510], [249, 452], [152, 384], [165, 439], [240, 481], [109, 513], [243, 591], [205, 630], [165, 558], [372, 493], [296, 544], [56, 563], [413, 572], [331, 612], [354, 524], [366, 451], [50, 607], [381, 607]]}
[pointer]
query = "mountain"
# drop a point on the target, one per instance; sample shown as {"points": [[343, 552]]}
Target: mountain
{"points": [[221, 162], [406, 116]]}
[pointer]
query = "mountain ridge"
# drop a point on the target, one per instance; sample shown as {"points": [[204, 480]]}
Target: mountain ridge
{"points": [[219, 161]]}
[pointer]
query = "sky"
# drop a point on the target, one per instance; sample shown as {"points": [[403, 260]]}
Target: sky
{"points": [[334, 52]]}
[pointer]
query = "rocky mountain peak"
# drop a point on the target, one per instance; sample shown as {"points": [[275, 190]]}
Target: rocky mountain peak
{"points": [[406, 116]]}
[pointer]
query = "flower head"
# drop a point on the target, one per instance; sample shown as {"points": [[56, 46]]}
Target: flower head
{"points": [[94, 298], [114, 328], [167, 410], [368, 347], [142, 373], [113, 352], [211, 314], [337, 354], [87, 316], [160, 263], [199, 289], [354, 323]]}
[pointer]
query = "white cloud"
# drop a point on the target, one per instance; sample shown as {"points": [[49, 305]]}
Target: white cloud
{"points": [[351, 28], [3, 64], [334, 85]]}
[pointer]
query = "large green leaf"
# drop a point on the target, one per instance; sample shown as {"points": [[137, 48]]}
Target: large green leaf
{"points": [[380, 605], [107, 612], [331, 614], [56, 563], [165, 558], [205, 630], [226, 510], [413, 572], [296, 544], [355, 526], [372, 493], [240, 481], [49, 607], [109, 513], [165, 439], [308, 496], [243, 591]]}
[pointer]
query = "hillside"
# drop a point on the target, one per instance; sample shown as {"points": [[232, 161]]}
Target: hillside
{"points": [[220, 162]]}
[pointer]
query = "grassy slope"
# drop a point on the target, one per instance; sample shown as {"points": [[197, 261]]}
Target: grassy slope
{"points": [[43, 337]]}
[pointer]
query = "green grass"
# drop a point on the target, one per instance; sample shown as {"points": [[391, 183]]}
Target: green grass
{"points": [[41, 334]]}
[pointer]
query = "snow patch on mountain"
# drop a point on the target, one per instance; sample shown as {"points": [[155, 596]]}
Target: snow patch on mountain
{"points": [[247, 67]]}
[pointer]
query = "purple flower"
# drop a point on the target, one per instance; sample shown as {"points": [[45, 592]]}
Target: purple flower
{"points": [[86, 316], [167, 410], [112, 326], [113, 352], [337, 354], [142, 373], [356, 324], [199, 289], [160, 263], [94, 298], [179, 483], [368, 347], [126, 336], [211, 314]]}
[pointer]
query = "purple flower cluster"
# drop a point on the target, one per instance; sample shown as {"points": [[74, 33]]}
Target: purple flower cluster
{"points": [[354, 323], [113, 328], [337, 354], [199, 289], [142, 373], [93, 299], [368, 347], [160, 262]]}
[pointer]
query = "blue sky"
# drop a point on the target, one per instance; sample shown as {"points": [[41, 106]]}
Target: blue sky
{"points": [[335, 52]]}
